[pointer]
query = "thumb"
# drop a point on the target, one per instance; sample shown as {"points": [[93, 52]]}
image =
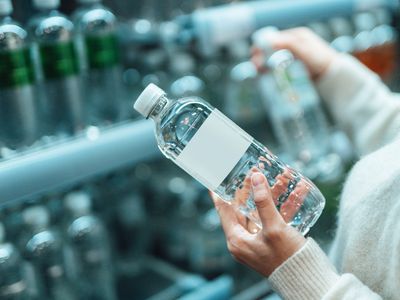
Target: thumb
{"points": [[263, 200]]}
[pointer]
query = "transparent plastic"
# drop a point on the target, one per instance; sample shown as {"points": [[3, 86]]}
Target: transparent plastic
{"points": [[57, 70], [43, 247], [295, 111], [89, 243], [18, 115], [12, 282], [98, 50], [297, 199]]}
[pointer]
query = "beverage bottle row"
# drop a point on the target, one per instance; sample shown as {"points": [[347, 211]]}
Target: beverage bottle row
{"points": [[369, 36], [58, 75], [67, 263]]}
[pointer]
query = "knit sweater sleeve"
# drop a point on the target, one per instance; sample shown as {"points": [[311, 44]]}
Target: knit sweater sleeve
{"points": [[360, 104], [308, 275]]}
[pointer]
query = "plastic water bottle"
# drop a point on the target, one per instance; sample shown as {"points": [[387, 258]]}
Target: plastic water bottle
{"points": [[18, 119], [208, 254], [43, 248], [90, 246], [220, 155], [98, 47], [293, 104], [12, 281], [57, 68], [241, 99]]}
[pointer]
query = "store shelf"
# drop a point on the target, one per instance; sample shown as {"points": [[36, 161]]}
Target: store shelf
{"points": [[95, 153], [241, 19]]}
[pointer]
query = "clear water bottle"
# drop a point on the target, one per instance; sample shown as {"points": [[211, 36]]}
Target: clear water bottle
{"points": [[386, 39], [292, 103], [220, 155], [208, 253], [18, 119], [43, 248], [57, 68], [98, 47], [242, 102], [13, 285], [90, 246], [133, 238]]}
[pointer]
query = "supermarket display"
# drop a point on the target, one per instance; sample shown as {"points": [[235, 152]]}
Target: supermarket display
{"points": [[97, 44], [90, 249], [57, 69], [89, 208], [13, 283], [18, 113], [42, 247]]}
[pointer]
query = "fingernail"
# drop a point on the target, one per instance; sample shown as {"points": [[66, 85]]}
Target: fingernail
{"points": [[257, 179]]}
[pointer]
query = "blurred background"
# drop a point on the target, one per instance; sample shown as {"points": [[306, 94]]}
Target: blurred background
{"points": [[88, 207]]}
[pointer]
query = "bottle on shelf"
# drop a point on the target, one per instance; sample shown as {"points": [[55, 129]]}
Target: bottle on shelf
{"points": [[57, 69], [18, 108], [242, 102], [177, 239], [221, 156], [182, 68], [43, 248], [88, 239], [98, 48], [343, 31], [322, 30], [241, 99], [208, 253], [364, 43], [132, 238], [294, 107], [385, 42], [13, 285]]}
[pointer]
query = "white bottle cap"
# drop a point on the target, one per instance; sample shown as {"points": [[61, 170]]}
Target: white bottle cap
{"points": [[89, 1], [46, 4], [148, 99], [78, 203], [264, 37], [36, 216], [6, 7]]}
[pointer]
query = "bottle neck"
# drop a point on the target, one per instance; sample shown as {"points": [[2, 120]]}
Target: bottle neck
{"points": [[160, 108]]}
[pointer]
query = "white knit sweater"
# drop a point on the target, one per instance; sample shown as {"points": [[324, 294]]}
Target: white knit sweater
{"points": [[366, 250]]}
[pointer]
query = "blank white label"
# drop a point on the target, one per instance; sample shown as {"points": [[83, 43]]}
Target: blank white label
{"points": [[214, 150]]}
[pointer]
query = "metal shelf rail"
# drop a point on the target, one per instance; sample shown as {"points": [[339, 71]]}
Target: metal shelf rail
{"points": [[76, 160], [221, 25]]}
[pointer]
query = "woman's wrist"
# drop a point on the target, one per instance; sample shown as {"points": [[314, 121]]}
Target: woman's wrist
{"points": [[307, 274]]}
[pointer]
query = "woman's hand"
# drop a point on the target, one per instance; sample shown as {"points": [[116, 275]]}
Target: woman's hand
{"points": [[267, 249], [308, 47]]}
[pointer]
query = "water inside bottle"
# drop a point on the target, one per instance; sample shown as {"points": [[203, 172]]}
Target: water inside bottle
{"points": [[296, 198]]}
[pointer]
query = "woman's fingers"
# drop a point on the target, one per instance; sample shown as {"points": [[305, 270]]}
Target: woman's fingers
{"points": [[263, 201], [306, 46]]}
